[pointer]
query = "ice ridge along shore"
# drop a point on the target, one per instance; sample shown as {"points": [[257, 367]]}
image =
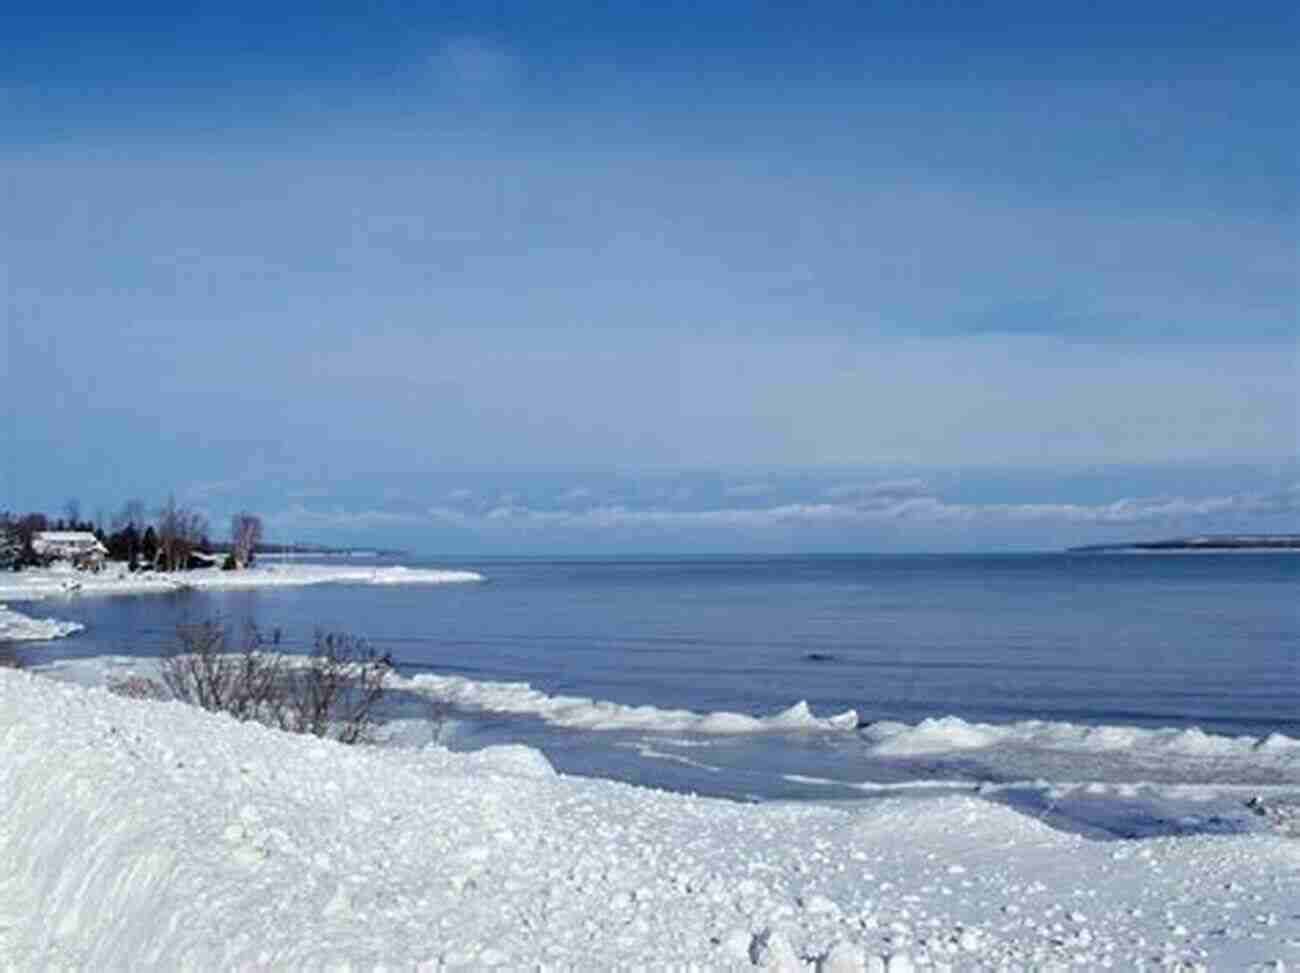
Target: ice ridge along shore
{"points": [[581, 712], [154, 835], [17, 627]]}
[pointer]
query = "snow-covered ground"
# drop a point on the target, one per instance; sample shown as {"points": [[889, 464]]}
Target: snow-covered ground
{"points": [[153, 835], [35, 584], [1100, 781], [139, 834]]}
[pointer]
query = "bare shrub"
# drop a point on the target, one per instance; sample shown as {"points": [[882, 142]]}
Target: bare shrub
{"points": [[204, 672], [332, 693], [338, 688], [137, 687], [439, 717]]}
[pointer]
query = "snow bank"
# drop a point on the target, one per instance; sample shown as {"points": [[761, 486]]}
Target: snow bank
{"points": [[580, 712], [17, 627], [62, 580], [153, 835]]}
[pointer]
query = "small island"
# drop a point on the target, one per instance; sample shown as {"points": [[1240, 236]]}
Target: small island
{"points": [[1204, 542]]}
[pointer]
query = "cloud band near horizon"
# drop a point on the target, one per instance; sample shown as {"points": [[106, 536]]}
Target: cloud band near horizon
{"points": [[898, 515]]}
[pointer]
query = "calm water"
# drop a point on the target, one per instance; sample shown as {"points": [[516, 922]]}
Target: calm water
{"points": [[1177, 640]]}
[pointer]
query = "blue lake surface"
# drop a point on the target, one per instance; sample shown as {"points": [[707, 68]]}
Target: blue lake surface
{"points": [[1207, 640]]}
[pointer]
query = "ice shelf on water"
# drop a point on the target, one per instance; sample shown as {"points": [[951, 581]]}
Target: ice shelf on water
{"points": [[146, 834], [17, 627]]}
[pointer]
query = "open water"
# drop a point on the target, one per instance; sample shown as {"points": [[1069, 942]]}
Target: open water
{"points": [[1193, 640]]}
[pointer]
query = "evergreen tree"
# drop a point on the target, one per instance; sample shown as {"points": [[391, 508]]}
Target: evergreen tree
{"points": [[149, 545], [11, 545], [28, 527], [124, 545], [132, 544]]}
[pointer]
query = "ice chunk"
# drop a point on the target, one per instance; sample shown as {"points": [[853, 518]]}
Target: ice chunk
{"points": [[17, 627]]}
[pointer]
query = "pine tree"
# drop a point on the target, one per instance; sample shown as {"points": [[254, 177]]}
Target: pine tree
{"points": [[149, 546], [10, 543]]}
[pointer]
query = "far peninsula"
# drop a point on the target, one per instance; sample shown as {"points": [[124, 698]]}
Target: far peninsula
{"points": [[1204, 542]]}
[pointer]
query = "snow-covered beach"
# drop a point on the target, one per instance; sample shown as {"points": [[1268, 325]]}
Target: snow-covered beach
{"points": [[153, 835], [140, 834]]}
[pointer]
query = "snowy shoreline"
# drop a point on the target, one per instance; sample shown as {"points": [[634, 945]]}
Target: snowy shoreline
{"points": [[141, 833], [37, 584], [217, 844], [1104, 781], [42, 584]]}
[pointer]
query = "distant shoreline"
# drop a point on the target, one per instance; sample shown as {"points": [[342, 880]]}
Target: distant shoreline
{"points": [[316, 550], [288, 555], [1213, 542]]}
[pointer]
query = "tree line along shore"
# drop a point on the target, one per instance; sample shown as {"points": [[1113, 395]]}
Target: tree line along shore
{"points": [[173, 538]]}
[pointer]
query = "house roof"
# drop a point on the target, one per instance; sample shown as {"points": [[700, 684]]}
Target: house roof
{"points": [[67, 543]]}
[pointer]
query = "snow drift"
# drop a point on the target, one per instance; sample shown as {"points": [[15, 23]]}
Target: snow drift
{"points": [[153, 835]]}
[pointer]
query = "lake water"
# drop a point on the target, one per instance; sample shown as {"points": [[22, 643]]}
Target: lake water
{"points": [[1204, 640]]}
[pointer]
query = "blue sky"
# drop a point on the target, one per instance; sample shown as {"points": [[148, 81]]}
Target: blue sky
{"points": [[479, 278]]}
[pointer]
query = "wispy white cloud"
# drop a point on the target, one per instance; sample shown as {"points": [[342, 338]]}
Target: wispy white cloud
{"points": [[875, 494], [579, 497], [303, 518], [899, 505]]}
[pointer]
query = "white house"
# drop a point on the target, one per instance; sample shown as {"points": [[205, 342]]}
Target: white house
{"points": [[80, 547]]}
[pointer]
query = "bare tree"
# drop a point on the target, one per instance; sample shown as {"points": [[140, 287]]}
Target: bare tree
{"points": [[72, 511], [171, 536], [245, 533], [180, 532]]}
